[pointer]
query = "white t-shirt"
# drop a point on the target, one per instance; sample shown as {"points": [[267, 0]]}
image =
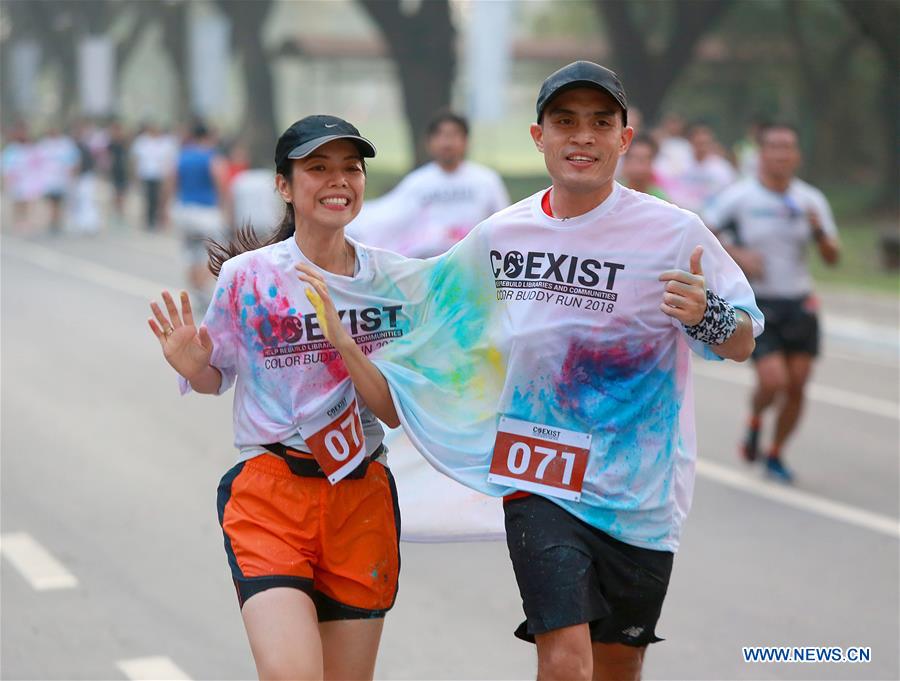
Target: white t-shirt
{"points": [[674, 157], [775, 225], [558, 322], [700, 182], [431, 209], [154, 156], [255, 201], [267, 338]]}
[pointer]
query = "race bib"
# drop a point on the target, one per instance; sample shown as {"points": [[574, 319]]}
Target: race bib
{"points": [[542, 459], [336, 437]]}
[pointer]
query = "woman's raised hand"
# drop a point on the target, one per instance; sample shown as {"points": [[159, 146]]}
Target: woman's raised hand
{"points": [[186, 349], [327, 314]]}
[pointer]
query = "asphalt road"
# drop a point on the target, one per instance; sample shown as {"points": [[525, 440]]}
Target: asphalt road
{"points": [[112, 560]]}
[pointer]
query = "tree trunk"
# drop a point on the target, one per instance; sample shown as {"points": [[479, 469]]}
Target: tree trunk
{"points": [[49, 21], [259, 129], [423, 45], [174, 18], [648, 74], [125, 48]]}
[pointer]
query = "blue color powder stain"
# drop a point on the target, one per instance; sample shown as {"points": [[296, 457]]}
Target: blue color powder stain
{"points": [[627, 398], [249, 299], [273, 291]]}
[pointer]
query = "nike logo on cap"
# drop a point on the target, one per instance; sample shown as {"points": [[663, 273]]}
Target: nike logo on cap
{"points": [[333, 125]]}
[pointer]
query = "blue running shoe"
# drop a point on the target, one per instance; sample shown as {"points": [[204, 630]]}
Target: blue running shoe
{"points": [[775, 469]]}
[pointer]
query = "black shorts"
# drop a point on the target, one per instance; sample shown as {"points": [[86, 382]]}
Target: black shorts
{"points": [[792, 326], [570, 573]]}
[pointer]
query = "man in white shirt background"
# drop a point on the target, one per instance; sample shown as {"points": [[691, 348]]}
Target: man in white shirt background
{"points": [[767, 224], [437, 204]]}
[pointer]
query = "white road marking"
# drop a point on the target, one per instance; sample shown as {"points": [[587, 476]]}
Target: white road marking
{"points": [[147, 244], [157, 668], [860, 328], [35, 563], [84, 269], [837, 397], [874, 361], [799, 499]]}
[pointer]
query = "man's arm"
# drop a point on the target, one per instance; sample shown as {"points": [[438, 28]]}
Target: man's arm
{"points": [[705, 316], [828, 246], [741, 343]]}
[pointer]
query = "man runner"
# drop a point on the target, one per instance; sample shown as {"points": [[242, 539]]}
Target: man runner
{"points": [[550, 364], [767, 223]]}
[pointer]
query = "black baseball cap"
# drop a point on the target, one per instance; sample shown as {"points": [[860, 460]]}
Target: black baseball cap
{"points": [[582, 74], [310, 133]]}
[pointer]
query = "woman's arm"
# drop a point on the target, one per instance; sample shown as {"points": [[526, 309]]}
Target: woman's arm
{"points": [[368, 380], [186, 349]]}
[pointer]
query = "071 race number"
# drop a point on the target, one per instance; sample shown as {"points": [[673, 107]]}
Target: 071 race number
{"points": [[537, 458]]}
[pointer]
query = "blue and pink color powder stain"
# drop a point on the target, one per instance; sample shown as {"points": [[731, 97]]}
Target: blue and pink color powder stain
{"points": [[627, 395], [261, 318]]}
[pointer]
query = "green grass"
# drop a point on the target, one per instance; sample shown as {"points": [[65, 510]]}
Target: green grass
{"points": [[860, 266]]}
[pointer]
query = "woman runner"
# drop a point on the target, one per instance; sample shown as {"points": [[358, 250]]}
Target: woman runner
{"points": [[309, 513]]}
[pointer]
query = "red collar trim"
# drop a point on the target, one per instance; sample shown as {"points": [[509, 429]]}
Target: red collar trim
{"points": [[545, 204]]}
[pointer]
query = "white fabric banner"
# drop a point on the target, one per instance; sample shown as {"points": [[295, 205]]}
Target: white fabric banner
{"points": [[435, 508]]}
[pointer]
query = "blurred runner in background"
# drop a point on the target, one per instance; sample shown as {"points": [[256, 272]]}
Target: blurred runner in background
{"points": [[767, 223], [746, 149], [253, 200], [118, 169], [637, 167], [438, 204], [153, 158], [675, 151], [199, 181], [84, 201], [706, 174], [21, 175], [58, 159]]}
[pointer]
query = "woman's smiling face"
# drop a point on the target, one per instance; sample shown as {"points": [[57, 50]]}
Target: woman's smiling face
{"points": [[326, 188]]}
